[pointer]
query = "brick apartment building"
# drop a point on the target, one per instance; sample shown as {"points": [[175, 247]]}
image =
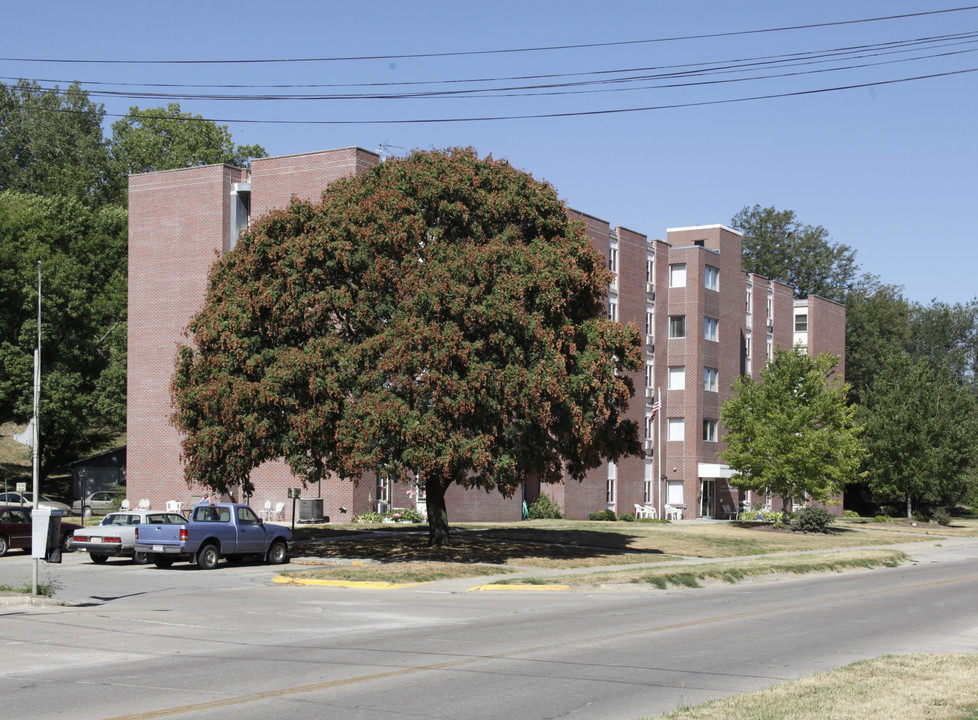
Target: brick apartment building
{"points": [[704, 321]]}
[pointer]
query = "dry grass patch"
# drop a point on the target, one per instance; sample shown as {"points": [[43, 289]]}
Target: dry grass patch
{"points": [[896, 687], [713, 540], [398, 572], [959, 527], [733, 571]]}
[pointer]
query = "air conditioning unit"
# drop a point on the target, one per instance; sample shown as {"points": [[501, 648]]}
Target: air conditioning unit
{"points": [[650, 393], [650, 289], [650, 340], [649, 446], [383, 507], [309, 510]]}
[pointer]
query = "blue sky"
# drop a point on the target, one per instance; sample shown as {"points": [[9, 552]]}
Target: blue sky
{"points": [[889, 169]]}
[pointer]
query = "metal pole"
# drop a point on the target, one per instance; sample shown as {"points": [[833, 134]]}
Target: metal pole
{"points": [[37, 423], [658, 450]]}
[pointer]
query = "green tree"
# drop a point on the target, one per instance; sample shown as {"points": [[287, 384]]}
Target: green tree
{"points": [[438, 318], [780, 248], [920, 429], [83, 332], [943, 334], [51, 143], [166, 139], [791, 433], [877, 326]]}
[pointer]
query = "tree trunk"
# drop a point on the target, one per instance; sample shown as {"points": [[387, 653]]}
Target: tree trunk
{"points": [[785, 510], [909, 507], [437, 512]]}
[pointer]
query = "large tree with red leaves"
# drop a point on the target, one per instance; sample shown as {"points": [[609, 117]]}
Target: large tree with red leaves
{"points": [[437, 319]]}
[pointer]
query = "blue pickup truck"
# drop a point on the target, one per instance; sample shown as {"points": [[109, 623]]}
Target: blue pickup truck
{"points": [[214, 530]]}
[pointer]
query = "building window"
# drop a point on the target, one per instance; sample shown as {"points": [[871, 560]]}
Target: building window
{"points": [[649, 322], [613, 259], [709, 430], [747, 344], [711, 278], [612, 478], [677, 378], [613, 309], [649, 270], [677, 275], [674, 493], [649, 475], [677, 326], [710, 329], [801, 322], [770, 349], [748, 297], [710, 379], [677, 430], [649, 375]]}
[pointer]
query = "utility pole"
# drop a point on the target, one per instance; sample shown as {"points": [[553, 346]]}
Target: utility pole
{"points": [[36, 474]]}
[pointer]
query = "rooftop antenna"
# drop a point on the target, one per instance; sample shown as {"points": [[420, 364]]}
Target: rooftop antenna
{"points": [[385, 148]]}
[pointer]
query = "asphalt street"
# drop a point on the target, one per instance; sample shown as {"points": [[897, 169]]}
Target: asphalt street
{"points": [[140, 642]]}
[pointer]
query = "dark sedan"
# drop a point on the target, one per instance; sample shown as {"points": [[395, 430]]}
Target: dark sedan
{"points": [[15, 529]]}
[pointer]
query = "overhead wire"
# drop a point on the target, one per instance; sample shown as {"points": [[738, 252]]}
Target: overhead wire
{"points": [[630, 79]]}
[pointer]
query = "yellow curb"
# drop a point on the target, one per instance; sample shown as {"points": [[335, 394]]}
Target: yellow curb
{"points": [[519, 587], [364, 584]]}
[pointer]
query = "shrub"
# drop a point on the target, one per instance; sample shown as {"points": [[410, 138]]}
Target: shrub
{"points": [[812, 520], [882, 518], [409, 515], [627, 517], [850, 514], [544, 508], [941, 517], [368, 517], [603, 515]]}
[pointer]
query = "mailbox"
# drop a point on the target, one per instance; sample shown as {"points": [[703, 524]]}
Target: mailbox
{"points": [[46, 534]]}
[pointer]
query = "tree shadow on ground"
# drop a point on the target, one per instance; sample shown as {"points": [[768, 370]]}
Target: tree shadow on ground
{"points": [[502, 546]]}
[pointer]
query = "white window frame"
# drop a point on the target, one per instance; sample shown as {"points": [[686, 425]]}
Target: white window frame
{"points": [[711, 329], [613, 309], [677, 430], [677, 319], [711, 278], [677, 275], [709, 430], [677, 377], [711, 379]]}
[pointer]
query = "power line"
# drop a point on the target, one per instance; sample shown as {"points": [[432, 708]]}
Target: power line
{"points": [[464, 53], [698, 68], [581, 113]]}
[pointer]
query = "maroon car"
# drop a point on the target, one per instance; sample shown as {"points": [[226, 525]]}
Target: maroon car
{"points": [[15, 529]]}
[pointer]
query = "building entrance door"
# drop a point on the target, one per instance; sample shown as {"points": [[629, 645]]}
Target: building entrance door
{"points": [[708, 498]]}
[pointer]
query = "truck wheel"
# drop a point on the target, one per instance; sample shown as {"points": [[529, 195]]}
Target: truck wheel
{"points": [[278, 553], [98, 559], [4, 546], [67, 542], [207, 557], [140, 558], [162, 561]]}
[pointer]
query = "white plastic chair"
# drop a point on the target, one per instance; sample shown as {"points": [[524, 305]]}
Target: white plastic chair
{"points": [[650, 512], [125, 504], [640, 511], [144, 504], [277, 513], [673, 513], [731, 513], [266, 511]]}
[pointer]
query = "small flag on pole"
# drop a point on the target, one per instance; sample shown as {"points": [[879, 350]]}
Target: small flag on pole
{"points": [[655, 407], [26, 437]]}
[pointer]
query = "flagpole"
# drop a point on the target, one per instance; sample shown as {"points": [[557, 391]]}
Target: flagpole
{"points": [[37, 424]]}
